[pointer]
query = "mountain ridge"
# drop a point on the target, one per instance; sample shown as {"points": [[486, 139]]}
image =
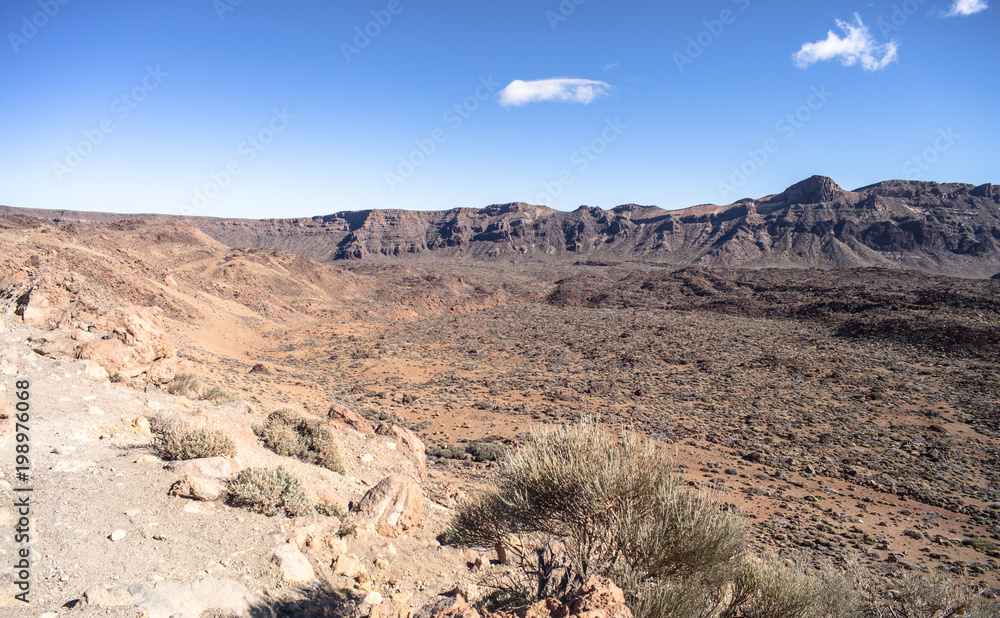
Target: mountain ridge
{"points": [[942, 228]]}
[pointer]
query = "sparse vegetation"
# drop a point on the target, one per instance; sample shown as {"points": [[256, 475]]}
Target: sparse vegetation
{"points": [[574, 502], [175, 441], [287, 433], [269, 491], [332, 509], [582, 503], [188, 385], [184, 384]]}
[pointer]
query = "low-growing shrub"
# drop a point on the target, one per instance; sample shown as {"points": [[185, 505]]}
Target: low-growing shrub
{"points": [[185, 384], [217, 395], [180, 442], [289, 434], [188, 385], [269, 491], [332, 509], [485, 451]]}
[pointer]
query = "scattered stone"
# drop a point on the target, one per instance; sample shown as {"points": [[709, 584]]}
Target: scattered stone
{"points": [[294, 566], [117, 535], [346, 566]]}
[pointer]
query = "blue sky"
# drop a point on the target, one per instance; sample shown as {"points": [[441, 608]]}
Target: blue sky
{"points": [[264, 109]]}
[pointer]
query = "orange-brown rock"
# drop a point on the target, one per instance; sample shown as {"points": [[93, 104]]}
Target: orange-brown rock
{"points": [[345, 418], [390, 609], [392, 507], [412, 442]]}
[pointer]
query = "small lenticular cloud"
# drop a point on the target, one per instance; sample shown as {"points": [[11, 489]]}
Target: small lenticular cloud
{"points": [[967, 7], [562, 89], [858, 46]]}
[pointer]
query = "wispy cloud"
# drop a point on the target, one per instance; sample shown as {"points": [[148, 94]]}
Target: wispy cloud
{"points": [[857, 46], [967, 7], [611, 65], [562, 89]]}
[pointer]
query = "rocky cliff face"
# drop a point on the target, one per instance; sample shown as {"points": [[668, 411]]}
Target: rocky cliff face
{"points": [[942, 228]]}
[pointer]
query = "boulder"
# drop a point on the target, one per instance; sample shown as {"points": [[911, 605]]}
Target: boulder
{"points": [[294, 566], [345, 418], [346, 566], [197, 488], [411, 441], [392, 507], [390, 609]]}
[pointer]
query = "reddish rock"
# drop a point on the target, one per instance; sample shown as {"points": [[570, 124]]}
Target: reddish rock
{"points": [[390, 609], [393, 506], [345, 418], [412, 442]]}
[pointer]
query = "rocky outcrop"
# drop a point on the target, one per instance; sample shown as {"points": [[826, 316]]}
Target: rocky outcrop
{"points": [[392, 507], [412, 442], [343, 417], [132, 342], [951, 228], [168, 599]]}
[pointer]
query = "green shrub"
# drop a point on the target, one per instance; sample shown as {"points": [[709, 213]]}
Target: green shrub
{"points": [[179, 442], [486, 451], [332, 509], [289, 434], [610, 507], [269, 491]]}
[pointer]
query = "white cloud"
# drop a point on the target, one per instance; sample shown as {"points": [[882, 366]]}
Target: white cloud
{"points": [[967, 7], [856, 47], [562, 89], [611, 65]]}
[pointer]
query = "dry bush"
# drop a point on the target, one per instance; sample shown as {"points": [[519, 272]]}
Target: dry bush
{"points": [[188, 385], [175, 441], [291, 435], [185, 384], [935, 596], [269, 491], [588, 504], [766, 589]]}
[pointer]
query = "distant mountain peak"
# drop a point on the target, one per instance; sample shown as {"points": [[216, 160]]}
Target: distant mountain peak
{"points": [[812, 190]]}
